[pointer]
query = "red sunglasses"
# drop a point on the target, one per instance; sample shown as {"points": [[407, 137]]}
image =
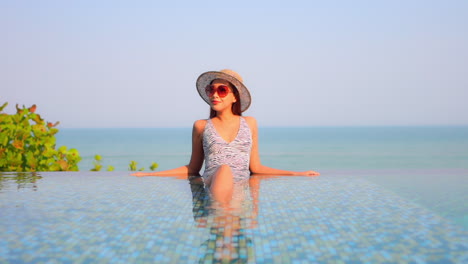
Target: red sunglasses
{"points": [[222, 90]]}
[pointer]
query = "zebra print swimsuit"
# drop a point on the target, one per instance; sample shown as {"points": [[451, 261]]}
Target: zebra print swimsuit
{"points": [[236, 153]]}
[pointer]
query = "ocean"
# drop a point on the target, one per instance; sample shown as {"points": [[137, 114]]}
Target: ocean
{"points": [[293, 148]]}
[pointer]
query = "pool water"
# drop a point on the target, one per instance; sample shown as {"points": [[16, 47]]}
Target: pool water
{"points": [[111, 217]]}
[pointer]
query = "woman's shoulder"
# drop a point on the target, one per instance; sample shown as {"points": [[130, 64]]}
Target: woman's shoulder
{"points": [[199, 125], [251, 121]]}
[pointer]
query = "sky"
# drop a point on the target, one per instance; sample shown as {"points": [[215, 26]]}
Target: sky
{"points": [[91, 64]]}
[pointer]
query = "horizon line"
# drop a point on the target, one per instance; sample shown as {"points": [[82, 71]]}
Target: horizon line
{"points": [[293, 126]]}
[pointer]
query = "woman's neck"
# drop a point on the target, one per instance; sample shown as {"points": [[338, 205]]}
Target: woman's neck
{"points": [[225, 116]]}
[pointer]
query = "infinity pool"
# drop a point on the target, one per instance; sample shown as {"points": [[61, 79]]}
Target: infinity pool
{"points": [[111, 217]]}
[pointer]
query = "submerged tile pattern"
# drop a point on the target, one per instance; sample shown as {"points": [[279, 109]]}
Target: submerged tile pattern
{"points": [[111, 217]]}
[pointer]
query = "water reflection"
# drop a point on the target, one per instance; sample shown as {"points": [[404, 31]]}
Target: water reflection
{"points": [[228, 227], [20, 180]]}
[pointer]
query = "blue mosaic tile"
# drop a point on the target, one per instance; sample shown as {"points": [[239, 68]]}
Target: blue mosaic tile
{"points": [[87, 217]]}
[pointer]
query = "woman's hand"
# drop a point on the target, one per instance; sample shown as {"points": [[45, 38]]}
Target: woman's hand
{"points": [[309, 173], [141, 174]]}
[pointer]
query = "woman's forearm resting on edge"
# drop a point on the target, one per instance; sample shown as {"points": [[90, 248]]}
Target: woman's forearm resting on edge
{"points": [[260, 169], [182, 171]]}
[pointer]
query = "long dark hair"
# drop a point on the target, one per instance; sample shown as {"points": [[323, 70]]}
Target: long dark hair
{"points": [[236, 107]]}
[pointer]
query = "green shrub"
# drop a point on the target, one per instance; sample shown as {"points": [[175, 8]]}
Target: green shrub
{"points": [[98, 164], [154, 166], [27, 143], [133, 166]]}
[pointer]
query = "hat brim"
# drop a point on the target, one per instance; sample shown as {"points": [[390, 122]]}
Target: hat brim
{"points": [[206, 78]]}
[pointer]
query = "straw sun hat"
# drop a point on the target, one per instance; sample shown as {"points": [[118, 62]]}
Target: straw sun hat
{"points": [[229, 75]]}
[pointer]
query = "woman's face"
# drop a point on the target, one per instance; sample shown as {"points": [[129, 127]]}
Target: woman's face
{"points": [[219, 99]]}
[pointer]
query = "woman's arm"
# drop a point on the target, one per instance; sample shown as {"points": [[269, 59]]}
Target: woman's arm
{"points": [[256, 166], [196, 160]]}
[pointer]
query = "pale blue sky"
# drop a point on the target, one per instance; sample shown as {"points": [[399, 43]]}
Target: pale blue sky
{"points": [[306, 63]]}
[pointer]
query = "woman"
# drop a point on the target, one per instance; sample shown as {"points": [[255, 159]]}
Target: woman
{"points": [[227, 142]]}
